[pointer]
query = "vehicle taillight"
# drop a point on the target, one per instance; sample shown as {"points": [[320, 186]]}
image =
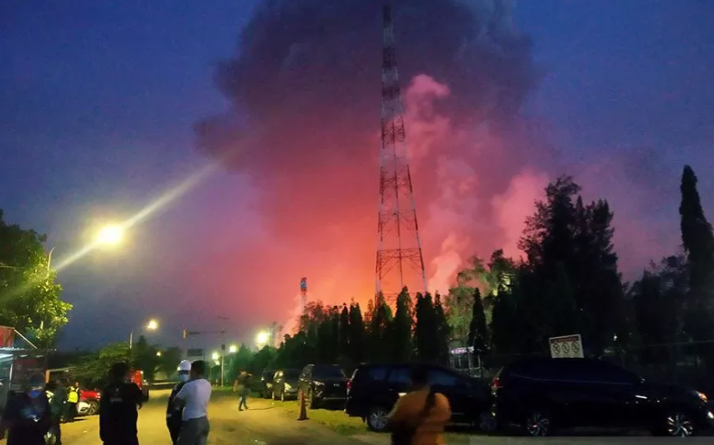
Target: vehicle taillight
{"points": [[349, 385], [496, 384]]}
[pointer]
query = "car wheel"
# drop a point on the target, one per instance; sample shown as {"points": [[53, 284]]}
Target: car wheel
{"points": [[282, 396], [93, 408], [678, 424], [539, 422], [377, 419], [486, 422]]}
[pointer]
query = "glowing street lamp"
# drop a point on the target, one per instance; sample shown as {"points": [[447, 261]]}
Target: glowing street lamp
{"points": [[158, 353], [215, 356], [233, 349], [151, 325], [262, 338], [110, 235]]}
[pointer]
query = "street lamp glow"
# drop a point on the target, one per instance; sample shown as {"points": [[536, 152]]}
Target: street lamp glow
{"points": [[110, 235], [262, 338], [233, 349], [152, 325], [216, 356]]}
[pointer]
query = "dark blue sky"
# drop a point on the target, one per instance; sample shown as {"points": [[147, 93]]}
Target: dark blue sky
{"points": [[97, 102]]}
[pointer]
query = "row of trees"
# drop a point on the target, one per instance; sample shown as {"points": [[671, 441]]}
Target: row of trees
{"points": [[568, 282]]}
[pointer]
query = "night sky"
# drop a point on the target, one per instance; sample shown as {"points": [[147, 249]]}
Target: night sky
{"points": [[98, 102]]}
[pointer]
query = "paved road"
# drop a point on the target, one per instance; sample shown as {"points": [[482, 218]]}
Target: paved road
{"points": [[265, 424]]}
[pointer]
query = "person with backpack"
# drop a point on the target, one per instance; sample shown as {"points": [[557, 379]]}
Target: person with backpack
{"points": [[419, 417], [174, 412], [28, 416]]}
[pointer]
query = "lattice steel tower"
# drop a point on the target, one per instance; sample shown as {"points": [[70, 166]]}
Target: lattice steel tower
{"points": [[399, 257]]}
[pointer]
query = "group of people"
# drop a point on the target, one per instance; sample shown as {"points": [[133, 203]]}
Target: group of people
{"points": [[33, 416]]}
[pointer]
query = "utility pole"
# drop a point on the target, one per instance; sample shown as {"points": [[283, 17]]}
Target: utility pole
{"points": [[223, 348]]}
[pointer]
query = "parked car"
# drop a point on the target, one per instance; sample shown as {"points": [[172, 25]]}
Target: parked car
{"points": [[545, 394], [89, 402], [266, 383], [322, 384], [375, 388], [285, 384]]}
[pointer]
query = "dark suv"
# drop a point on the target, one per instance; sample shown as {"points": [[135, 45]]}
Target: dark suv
{"points": [[285, 384], [544, 394], [266, 383], [322, 384], [374, 389]]}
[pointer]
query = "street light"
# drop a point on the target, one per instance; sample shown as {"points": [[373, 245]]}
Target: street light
{"points": [[262, 338], [233, 349], [151, 325], [158, 353], [215, 356], [110, 235]]}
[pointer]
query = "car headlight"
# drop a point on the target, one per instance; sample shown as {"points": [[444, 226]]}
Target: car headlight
{"points": [[702, 396], [288, 387]]}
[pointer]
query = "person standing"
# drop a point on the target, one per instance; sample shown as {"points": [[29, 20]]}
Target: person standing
{"points": [[419, 417], [57, 396], [242, 386], [73, 395], [28, 416], [173, 411], [194, 397], [119, 405]]}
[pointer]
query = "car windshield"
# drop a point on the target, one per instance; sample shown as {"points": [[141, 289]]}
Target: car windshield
{"points": [[328, 371]]}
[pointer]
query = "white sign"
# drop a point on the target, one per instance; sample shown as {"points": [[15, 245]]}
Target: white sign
{"points": [[567, 346]]}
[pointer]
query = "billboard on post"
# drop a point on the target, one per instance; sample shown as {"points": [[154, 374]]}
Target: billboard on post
{"points": [[23, 369]]}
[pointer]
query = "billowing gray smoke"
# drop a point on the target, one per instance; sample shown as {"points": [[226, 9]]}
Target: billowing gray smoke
{"points": [[305, 93]]}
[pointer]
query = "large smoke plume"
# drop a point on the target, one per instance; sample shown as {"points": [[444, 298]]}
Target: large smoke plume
{"points": [[304, 88]]}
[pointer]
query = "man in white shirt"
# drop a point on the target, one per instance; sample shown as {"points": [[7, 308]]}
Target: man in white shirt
{"points": [[194, 396]]}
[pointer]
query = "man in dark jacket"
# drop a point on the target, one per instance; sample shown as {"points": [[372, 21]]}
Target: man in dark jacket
{"points": [[118, 412], [27, 415], [173, 410]]}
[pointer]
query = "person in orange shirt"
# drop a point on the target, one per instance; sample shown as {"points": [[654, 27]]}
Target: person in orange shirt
{"points": [[419, 417]]}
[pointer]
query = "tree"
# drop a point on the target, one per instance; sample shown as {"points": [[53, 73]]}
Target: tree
{"points": [[698, 242], [478, 333], [242, 360], [144, 358], [344, 332], [262, 359], [441, 342], [573, 268], [169, 361], [29, 297], [356, 334], [92, 371], [378, 347], [426, 329], [401, 328]]}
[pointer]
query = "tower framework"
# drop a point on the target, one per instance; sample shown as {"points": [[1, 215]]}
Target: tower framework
{"points": [[400, 261]]}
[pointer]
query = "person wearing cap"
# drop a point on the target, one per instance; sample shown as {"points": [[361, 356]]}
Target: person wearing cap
{"points": [[174, 412], [28, 416], [194, 397], [118, 411]]}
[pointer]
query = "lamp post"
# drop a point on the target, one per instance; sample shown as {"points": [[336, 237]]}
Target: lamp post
{"points": [[151, 325]]}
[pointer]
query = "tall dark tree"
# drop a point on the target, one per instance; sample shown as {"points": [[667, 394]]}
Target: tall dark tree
{"points": [[478, 333], [426, 329], [401, 328], [573, 268], [356, 334], [442, 332], [144, 357], [698, 242], [344, 333], [378, 347]]}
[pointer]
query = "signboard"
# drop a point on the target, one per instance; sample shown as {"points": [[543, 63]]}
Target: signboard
{"points": [[195, 353], [23, 369], [7, 337], [303, 284], [566, 346]]}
